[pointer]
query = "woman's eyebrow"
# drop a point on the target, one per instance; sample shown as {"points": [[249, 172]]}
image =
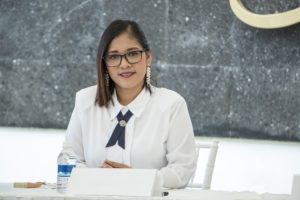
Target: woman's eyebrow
{"points": [[129, 49], [114, 51], [133, 48]]}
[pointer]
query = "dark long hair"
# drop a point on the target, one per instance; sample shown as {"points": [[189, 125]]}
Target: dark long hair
{"points": [[117, 27]]}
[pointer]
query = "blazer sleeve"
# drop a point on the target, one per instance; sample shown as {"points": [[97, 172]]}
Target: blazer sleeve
{"points": [[74, 134], [181, 149]]}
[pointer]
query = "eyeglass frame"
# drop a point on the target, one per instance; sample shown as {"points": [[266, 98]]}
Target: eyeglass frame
{"points": [[124, 55]]}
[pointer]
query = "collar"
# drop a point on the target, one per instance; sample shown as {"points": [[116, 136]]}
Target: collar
{"points": [[137, 106]]}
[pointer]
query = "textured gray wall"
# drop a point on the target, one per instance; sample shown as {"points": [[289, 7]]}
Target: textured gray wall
{"points": [[238, 81]]}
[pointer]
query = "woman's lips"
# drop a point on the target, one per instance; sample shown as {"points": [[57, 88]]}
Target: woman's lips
{"points": [[126, 74]]}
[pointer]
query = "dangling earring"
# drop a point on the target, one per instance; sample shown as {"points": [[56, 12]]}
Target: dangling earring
{"points": [[107, 79], [148, 75]]}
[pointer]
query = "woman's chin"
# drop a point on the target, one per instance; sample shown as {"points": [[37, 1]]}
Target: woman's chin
{"points": [[129, 86]]}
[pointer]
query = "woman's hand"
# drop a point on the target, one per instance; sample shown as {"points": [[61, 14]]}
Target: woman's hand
{"points": [[112, 164]]}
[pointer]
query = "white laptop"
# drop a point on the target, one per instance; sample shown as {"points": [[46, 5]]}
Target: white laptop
{"points": [[116, 182]]}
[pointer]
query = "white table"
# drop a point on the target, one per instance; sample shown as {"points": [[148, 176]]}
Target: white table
{"points": [[7, 192]]}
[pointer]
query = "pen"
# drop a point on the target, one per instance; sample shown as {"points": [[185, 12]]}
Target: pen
{"points": [[27, 184]]}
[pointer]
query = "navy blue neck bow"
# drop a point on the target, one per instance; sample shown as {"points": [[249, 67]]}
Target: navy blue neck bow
{"points": [[119, 132]]}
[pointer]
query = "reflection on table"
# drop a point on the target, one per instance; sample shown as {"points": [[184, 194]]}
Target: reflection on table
{"points": [[8, 192]]}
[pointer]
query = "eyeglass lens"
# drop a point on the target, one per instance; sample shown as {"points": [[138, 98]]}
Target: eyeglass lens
{"points": [[131, 57]]}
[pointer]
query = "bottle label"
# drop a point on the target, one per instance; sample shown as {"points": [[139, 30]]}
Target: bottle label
{"points": [[65, 168], [63, 175], [62, 183]]}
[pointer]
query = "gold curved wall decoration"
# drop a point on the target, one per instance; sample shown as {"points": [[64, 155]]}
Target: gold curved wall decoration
{"points": [[265, 21]]}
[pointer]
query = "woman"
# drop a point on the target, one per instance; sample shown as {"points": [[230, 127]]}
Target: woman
{"points": [[124, 121]]}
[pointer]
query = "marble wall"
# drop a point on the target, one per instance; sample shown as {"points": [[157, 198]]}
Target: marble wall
{"points": [[238, 81]]}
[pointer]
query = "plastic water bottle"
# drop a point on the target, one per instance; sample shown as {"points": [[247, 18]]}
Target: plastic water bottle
{"points": [[65, 164]]}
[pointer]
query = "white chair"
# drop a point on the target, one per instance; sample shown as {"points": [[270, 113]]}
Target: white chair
{"points": [[209, 168]]}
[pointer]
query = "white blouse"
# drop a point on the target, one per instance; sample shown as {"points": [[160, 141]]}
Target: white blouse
{"points": [[159, 135]]}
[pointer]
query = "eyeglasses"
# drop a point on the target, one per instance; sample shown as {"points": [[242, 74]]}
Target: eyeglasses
{"points": [[132, 57]]}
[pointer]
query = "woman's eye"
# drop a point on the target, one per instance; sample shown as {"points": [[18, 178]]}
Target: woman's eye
{"points": [[113, 57], [132, 53]]}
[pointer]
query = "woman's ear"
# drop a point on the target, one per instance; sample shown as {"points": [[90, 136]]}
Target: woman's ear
{"points": [[148, 57]]}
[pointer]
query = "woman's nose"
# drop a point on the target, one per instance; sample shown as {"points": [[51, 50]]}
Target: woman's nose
{"points": [[124, 63]]}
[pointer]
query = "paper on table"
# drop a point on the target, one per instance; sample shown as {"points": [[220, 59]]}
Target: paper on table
{"points": [[118, 182], [296, 187]]}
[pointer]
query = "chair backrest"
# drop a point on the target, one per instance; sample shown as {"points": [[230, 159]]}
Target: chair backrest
{"points": [[209, 168]]}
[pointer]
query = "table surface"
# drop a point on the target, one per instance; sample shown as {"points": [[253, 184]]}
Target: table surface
{"points": [[8, 192]]}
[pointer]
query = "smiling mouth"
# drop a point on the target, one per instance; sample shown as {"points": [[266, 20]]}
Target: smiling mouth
{"points": [[126, 74]]}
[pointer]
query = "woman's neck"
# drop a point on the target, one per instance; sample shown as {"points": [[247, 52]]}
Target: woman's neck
{"points": [[126, 96]]}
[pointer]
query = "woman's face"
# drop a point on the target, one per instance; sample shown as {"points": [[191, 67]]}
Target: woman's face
{"points": [[128, 76]]}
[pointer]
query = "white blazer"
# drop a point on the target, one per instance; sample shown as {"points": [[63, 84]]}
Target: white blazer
{"points": [[159, 135]]}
